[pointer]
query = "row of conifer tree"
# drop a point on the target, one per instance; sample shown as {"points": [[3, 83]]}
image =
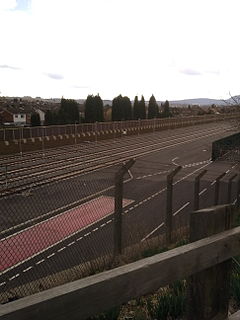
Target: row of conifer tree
{"points": [[122, 109]]}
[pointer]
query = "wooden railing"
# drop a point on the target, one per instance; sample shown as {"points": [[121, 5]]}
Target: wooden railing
{"points": [[206, 263]]}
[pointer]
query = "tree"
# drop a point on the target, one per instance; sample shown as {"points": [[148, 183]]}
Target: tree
{"points": [[136, 108], [126, 108], [94, 109], [99, 108], [35, 119], [166, 110], [152, 108], [142, 109], [116, 108], [121, 108], [68, 112], [89, 109], [48, 118]]}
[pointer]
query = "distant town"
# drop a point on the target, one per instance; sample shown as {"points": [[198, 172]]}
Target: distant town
{"points": [[28, 111]]}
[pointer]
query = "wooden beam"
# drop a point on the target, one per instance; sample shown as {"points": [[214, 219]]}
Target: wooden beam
{"points": [[83, 298], [235, 316], [209, 289]]}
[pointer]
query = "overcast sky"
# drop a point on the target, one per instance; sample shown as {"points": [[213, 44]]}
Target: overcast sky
{"points": [[174, 49]]}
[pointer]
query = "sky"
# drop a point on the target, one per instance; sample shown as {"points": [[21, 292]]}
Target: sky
{"points": [[174, 49]]}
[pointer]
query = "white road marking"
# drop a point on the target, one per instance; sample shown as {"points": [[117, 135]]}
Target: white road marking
{"points": [[180, 209], [71, 243], [51, 255], [40, 261], [3, 283], [14, 277], [202, 192], [61, 249], [27, 269], [173, 161], [87, 234], [154, 230], [212, 183]]}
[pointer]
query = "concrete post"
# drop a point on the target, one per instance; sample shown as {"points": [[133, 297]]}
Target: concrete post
{"points": [[197, 189], [118, 206], [230, 188], [217, 187], [168, 218]]}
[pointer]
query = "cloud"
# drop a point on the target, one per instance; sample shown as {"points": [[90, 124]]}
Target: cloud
{"points": [[7, 4], [54, 76], [6, 66], [190, 72], [215, 72], [79, 87], [23, 5]]}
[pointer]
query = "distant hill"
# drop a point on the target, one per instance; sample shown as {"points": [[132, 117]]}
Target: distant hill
{"points": [[199, 101], [207, 101]]}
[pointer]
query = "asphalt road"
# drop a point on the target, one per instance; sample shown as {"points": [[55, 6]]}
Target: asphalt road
{"points": [[85, 172]]}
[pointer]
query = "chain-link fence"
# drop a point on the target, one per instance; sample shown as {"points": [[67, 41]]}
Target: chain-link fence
{"points": [[74, 211]]}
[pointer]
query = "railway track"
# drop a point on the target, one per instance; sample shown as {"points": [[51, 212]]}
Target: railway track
{"points": [[72, 164]]}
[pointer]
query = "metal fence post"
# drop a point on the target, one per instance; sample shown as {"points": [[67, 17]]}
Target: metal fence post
{"points": [[6, 177], [238, 192], [217, 187], [230, 188], [197, 189], [118, 206], [168, 218], [20, 140]]}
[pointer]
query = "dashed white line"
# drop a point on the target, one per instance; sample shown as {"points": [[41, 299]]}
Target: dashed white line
{"points": [[204, 190], [212, 183], [40, 261], [154, 230], [78, 239], [71, 243], [109, 221], [14, 277], [180, 209], [29, 268], [3, 283], [95, 229], [87, 234], [51, 255], [102, 225]]}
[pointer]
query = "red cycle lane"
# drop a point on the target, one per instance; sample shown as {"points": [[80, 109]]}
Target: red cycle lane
{"points": [[27, 243]]}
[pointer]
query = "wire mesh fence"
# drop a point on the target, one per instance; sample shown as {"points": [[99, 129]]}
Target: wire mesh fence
{"points": [[58, 211]]}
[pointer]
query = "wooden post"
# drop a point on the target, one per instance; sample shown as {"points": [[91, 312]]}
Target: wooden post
{"points": [[168, 219], [230, 188], [208, 290], [197, 189], [118, 206], [217, 187]]}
